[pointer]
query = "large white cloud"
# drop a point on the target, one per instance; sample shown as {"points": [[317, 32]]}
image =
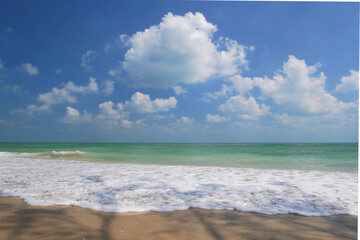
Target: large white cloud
{"points": [[247, 109], [179, 50], [349, 83], [297, 88]]}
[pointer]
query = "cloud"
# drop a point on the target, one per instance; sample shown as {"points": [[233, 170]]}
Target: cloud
{"points": [[9, 88], [86, 60], [139, 103], [126, 123], [349, 83], [28, 68], [216, 118], [179, 90], [9, 29], [244, 108], [108, 87], [179, 50], [73, 116], [239, 84], [142, 103], [1, 64], [296, 87], [110, 111], [58, 71], [58, 96], [186, 120]]}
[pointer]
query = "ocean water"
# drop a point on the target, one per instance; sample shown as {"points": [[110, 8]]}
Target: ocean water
{"points": [[307, 179]]}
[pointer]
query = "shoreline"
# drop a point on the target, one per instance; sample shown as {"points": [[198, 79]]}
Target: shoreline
{"points": [[19, 220]]}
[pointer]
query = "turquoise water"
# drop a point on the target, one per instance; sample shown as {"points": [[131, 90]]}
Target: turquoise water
{"points": [[301, 156]]}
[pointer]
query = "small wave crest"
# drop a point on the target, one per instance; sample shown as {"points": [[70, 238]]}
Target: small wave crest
{"points": [[54, 154]]}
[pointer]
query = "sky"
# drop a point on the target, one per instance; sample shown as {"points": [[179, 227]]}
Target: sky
{"points": [[179, 71]]}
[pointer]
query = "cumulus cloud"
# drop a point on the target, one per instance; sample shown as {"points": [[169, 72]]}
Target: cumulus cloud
{"points": [[139, 103], [28, 68], [110, 111], [296, 87], [179, 50], [216, 118], [108, 87], [86, 60], [349, 83], [186, 120], [179, 90], [239, 84], [244, 108], [142, 103], [73, 116], [58, 96]]}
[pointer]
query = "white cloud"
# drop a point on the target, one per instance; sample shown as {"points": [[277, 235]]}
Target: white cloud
{"points": [[233, 57], [216, 118], [1, 64], [58, 71], [63, 95], [86, 60], [108, 87], [73, 116], [9, 29], [28, 68], [139, 103], [349, 83], [110, 111], [297, 88], [179, 90], [58, 96], [240, 84], [187, 120], [126, 123], [244, 108], [142, 103], [179, 50]]}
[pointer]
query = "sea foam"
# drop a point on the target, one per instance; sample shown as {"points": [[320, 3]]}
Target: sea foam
{"points": [[118, 187]]}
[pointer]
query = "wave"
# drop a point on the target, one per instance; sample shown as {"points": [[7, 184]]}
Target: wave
{"points": [[51, 154], [118, 187]]}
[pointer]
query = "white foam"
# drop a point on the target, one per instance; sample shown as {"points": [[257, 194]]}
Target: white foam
{"points": [[133, 187]]}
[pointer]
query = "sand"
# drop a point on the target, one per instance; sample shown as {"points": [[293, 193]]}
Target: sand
{"points": [[18, 220]]}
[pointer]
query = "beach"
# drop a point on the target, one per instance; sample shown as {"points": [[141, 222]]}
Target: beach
{"points": [[178, 191], [18, 220]]}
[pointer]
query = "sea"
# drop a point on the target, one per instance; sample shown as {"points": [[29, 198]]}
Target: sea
{"points": [[311, 179]]}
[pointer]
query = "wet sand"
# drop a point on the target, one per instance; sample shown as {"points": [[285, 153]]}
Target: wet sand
{"points": [[18, 220]]}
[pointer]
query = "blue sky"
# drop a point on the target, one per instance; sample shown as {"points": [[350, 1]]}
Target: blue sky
{"points": [[179, 71]]}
